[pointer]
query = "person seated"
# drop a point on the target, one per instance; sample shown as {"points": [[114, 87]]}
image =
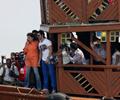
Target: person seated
{"points": [[14, 59], [76, 55], [100, 49], [10, 73], [65, 54], [116, 57], [2, 72]]}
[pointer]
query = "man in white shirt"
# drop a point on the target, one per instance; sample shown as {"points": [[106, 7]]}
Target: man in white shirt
{"points": [[10, 74], [76, 55], [48, 68]]}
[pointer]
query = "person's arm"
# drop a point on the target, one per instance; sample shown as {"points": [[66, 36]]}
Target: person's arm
{"points": [[50, 53], [77, 57], [40, 57], [25, 48], [1, 71], [49, 47], [16, 71]]}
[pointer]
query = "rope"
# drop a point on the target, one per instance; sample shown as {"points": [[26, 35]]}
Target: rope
{"points": [[24, 93]]}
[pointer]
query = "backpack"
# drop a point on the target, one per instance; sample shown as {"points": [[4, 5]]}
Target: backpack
{"points": [[2, 76]]}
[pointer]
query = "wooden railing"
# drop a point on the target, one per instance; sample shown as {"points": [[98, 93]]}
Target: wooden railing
{"points": [[89, 80], [19, 93]]}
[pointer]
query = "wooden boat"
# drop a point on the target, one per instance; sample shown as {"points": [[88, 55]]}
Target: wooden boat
{"points": [[60, 18], [22, 93], [19, 93], [85, 17]]}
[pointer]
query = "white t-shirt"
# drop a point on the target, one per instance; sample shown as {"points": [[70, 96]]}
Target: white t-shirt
{"points": [[78, 58], [117, 53], [1, 71], [66, 58], [45, 53]]}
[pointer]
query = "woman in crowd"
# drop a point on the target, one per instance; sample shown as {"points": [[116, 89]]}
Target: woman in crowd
{"points": [[31, 59]]}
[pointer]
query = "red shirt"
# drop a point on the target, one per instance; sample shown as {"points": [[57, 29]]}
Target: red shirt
{"points": [[22, 74]]}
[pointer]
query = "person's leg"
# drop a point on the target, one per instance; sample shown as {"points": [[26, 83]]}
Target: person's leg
{"points": [[45, 75], [37, 77], [52, 76], [27, 77]]}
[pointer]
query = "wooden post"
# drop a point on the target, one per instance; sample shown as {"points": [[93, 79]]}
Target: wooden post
{"points": [[91, 40], [59, 67], [108, 49], [43, 12], [108, 71], [118, 8], [84, 10]]}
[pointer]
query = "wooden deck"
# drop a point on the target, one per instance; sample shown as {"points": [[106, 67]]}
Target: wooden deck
{"points": [[14, 93]]}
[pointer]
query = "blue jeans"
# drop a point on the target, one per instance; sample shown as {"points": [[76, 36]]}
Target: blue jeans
{"points": [[48, 69], [37, 77]]}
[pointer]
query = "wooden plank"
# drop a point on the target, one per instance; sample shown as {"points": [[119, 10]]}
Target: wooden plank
{"points": [[68, 85], [57, 15], [75, 7], [92, 6], [110, 13], [118, 1], [80, 98], [81, 27], [18, 93], [96, 81]]}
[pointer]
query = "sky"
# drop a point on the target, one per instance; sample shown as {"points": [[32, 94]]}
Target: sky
{"points": [[17, 18]]}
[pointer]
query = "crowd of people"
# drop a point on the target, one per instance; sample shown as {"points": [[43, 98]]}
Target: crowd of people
{"points": [[34, 66], [36, 55]]}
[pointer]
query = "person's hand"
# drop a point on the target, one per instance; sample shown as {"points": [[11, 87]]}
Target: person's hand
{"points": [[47, 61], [38, 64]]}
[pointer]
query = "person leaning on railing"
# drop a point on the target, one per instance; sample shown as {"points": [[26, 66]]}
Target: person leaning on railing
{"points": [[76, 55]]}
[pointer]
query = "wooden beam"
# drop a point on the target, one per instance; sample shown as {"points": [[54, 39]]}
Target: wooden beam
{"points": [[80, 27], [118, 9], [108, 49]]}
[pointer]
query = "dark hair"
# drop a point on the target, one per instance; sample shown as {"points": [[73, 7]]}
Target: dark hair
{"points": [[28, 34], [74, 46], [13, 53], [32, 35], [8, 59], [41, 33], [34, 31], [35, 34]]}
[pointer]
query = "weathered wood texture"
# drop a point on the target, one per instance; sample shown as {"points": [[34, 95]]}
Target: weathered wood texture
{"points": [[67, 11], [85, 16], [19, 93]]}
